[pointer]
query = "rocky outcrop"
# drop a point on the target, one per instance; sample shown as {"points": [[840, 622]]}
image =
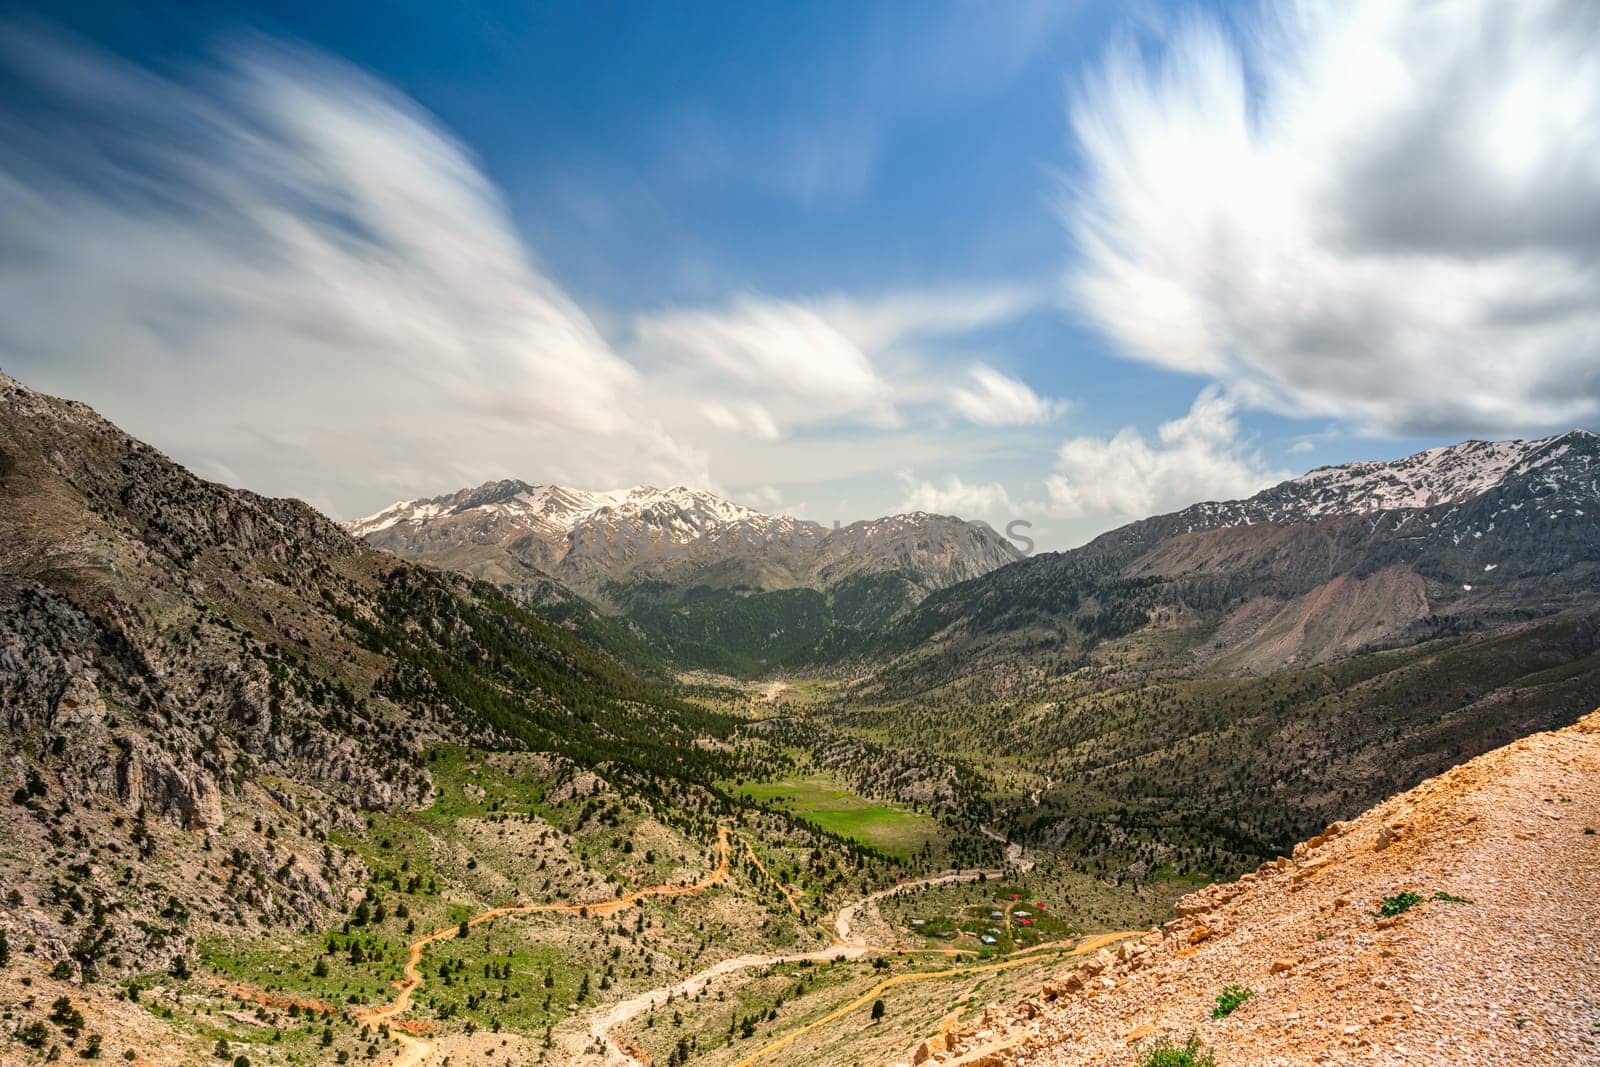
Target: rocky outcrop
{"points": [[148, 779]]}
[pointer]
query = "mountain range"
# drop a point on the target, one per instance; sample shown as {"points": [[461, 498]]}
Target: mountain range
{"points": [[712, 582], [1341, 559], [251, 756]]}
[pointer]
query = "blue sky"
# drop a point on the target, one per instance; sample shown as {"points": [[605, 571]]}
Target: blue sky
{"points": [[1065, 262]]}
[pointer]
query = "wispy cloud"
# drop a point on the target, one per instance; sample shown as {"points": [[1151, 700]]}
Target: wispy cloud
{"points": [[279, 266], [953, 496], [993, 399], [762, 366], [1386, 211], [780, 354]]}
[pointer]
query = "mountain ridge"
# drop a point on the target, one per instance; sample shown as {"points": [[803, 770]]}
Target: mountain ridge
{"points": [[706, 581], [1272, 575]]}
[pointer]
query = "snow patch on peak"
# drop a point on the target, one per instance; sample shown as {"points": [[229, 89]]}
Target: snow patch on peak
{"points": [[1438, 477], [1426, 479], [552, 508]]}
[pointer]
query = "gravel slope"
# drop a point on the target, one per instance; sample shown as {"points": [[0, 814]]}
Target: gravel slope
{"points": [[1511, 978]]}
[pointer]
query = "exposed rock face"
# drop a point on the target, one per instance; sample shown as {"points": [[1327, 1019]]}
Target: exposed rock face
{"points": [[1492, 963], [163, 641], [204, 683], [79, 704], [148, 780]]}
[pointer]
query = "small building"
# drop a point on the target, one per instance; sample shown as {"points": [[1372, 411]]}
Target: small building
{"points": [[988, 939]]}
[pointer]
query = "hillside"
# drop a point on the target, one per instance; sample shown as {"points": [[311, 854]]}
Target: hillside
{"points": [[1344, 559], [250, 762], [175, 656], [1489, 959], [274, 792], [711, 583]]}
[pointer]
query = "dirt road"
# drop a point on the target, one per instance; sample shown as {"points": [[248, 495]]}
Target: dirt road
{"points": [[414, 1051], [601, 1026], [1088, 945]]}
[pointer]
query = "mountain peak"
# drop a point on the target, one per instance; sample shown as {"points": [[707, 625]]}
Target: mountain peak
{"points": [[1451, 474]]}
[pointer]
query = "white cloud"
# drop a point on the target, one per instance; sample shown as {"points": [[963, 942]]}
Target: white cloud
{"points": [[761, 497], [880, 323], [782, 350], [1386, 211], [286, 274], [953, 497], [995, 399], [748, 418], [1196, 457], [761, 366], [281, 268]]}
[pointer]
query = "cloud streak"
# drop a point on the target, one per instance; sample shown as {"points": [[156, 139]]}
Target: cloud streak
{"points": [[775, 365], [1386, 211], [991, 398], [288, 272]]}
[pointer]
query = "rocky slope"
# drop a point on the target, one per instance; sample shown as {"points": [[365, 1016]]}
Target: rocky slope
{"points": [[1489, 960], [178, 658]]}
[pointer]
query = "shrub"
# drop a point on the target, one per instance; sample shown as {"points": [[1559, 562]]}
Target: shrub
{"points": [[1450, 898], [1229, 999], [1163, 1053], [33, 1034], [1398, 904]]}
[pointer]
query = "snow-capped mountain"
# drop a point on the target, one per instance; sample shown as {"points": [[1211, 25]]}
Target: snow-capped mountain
{"points": [[557, 510], [1438, 476], [682, 535], [1458, 539]]}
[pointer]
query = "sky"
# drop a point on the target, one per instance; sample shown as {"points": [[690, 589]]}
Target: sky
{"points": [[1064, 263]]}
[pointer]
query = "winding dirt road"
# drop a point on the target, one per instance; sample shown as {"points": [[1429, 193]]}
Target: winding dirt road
{"points": [[1018, 959], [603, 1023], [415, 1051]]}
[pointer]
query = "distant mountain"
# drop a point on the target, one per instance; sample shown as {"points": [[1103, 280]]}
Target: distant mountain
{"points": [[493, 511], [590, 537], [1426, 480], [711, 582], [1364, 555]]}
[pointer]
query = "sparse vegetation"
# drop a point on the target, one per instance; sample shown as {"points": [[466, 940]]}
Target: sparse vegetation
{"points": [[1230, 999], [1163, 1052], [1398, 904]]}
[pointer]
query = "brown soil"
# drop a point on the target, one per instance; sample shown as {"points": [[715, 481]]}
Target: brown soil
{"points": [[1511, 978]]}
